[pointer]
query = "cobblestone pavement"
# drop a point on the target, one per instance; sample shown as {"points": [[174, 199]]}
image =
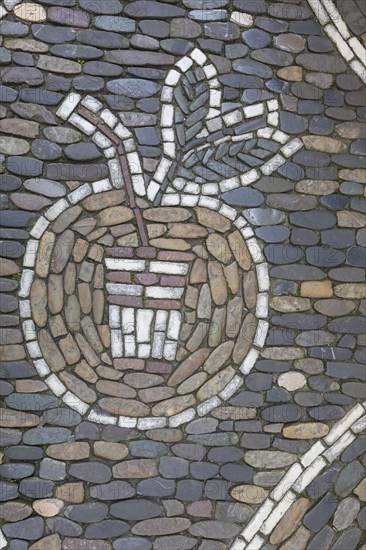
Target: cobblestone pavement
{"points": [[182, 275]]}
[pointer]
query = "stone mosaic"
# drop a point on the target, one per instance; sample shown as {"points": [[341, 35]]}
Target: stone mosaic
{"points": [[182, 273]]}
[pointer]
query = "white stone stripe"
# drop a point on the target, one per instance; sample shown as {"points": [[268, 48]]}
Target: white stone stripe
{"points": [[298, 480], [309, 474], [286, 482], [343, 424], [118, 264], [3, 541], [335, 450], [75, 403], [101, 417], [336, 18], [278, 512], [312, 453], [256, 522], [68, 105], [341, 44]]}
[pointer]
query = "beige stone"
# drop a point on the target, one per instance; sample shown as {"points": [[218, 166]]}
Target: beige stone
{"points": [[48, 507], [245, 338], [187, 231], [58, 65], [78, 387], [360, 490], [269, 460], [290, 521], [278, 353], [170, 244], [55, 293], [115, 215], [358, 175], [152, 395], [99, 201], [232, 277], [26, 45], [317, 187], [188, 367], [71, 492], [219, 248], [166, 214], [249, 494], [12, 352], [110, 450], [38, 302], [323, 144], [346, 218], [250, 289], [14, 511], [212, 219], [116, 389], [19, 127], [292, 74], [351, 130], [124, 407], [334, 307], [240, 250], [218, 284], [172, 406], [77, 450], [84, 371], [30, 386], [216, 384], [8, 267], [229, 412], [351, 290], [306, 430], [12, 146], [198, 272], [17, 419], [218, 357], [317, 289], [298, 541], [85, 297], [45, 248], [291, 381], [288, 304], [155, 230], [129, 240], [139, 469], [192, 383], [30, 11], [70, 278], [51, 542]]}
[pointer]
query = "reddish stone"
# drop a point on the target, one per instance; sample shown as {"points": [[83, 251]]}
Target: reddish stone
{"points": [[146, 252], [173, 280], [163, 304], [123, 229], [199, 272], [201, 508], [125, 364], [129, 301], [157, 366], [146, 278], [119, 277], [174, 256], [120, 252]]}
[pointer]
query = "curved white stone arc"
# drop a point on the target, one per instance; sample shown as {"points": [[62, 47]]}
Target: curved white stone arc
{"points": [[299, 476], [336, 28], [67, 112]]}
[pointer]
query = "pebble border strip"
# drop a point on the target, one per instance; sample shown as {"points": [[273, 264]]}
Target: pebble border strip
{"points": [[106, 131], [299, 476]]}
